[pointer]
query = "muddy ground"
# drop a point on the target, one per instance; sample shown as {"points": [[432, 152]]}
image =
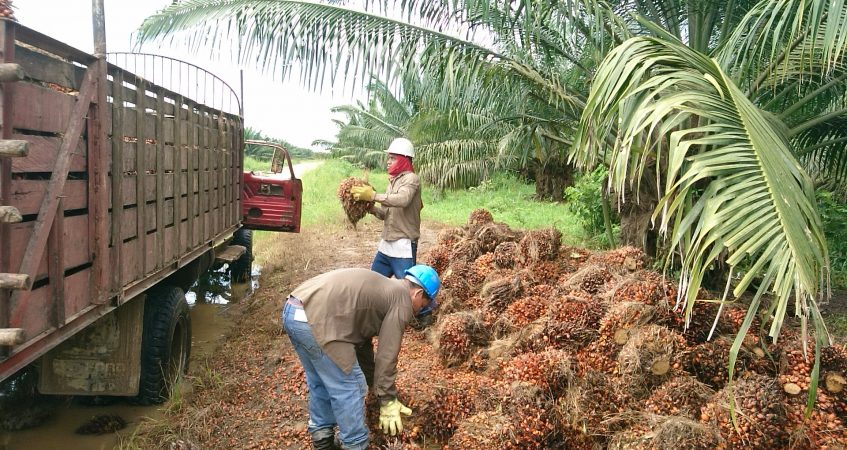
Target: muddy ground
{"points": [[251, 393]]}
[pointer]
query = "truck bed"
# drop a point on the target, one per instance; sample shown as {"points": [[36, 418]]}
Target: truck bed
{"points": [[152, 182]]}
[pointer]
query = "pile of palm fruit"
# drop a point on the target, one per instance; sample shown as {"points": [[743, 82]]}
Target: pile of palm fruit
{"points": [[581, 349]]}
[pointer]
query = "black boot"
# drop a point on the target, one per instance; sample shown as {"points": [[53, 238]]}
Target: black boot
{"points": [[327, 443]]}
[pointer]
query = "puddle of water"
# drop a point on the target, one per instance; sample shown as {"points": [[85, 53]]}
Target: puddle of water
{"points": [[209, 300], [215, 287], [58, 431]]}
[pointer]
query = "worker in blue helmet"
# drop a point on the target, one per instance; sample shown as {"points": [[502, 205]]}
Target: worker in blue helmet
{"points": [[326, 319]]}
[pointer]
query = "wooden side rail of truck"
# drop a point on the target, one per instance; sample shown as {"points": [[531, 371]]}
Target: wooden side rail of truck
{"points": [[116, 193]]}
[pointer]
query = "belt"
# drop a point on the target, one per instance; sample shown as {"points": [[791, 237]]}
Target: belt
{"points": [[299, 312], [294, 301]]}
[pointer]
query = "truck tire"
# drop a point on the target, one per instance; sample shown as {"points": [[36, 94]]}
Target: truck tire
{"points": [[242, 268], [165, 344]]}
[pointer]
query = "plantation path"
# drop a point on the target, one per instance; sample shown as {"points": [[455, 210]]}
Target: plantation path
{"points": [[251, 393]]}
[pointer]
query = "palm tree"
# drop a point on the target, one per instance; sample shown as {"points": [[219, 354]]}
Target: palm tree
{"points": [[333, 41], [718, 122]]}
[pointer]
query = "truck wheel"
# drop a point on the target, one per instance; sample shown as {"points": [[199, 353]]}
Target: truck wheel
{"points": [[165, 344], [242, 268]]}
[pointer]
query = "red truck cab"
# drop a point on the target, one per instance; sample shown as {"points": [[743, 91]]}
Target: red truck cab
{"points": [[272, 201]]}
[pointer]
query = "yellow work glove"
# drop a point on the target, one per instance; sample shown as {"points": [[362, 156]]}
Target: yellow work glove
{"points": [[389, 417], [363, 193]]}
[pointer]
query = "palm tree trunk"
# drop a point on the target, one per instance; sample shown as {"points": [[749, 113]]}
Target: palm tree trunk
{"points": [[636, 214], [551, 180]]}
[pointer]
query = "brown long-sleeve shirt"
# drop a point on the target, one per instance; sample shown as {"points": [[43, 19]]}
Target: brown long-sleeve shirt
{"points": [[400, 208], [345, 307]]}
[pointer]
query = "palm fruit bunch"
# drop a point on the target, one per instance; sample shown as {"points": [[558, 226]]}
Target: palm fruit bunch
{"points": [[654, 432], [644, 287], [441, 415], [680, 396], [465, 250], [703, 316], [541, 290], [457, 336], [505, 255], [825, 426], [355, 210], [571, 323], [651, 355], [539, 245], [615, 329], [526, 310], [531, 414], [498, 294], [797, 369], [438, 258], [461, 280], [550, 370], [546, 272], [623, 259], [484, 265], [6, 10], [478, 362], [834, 370], [491, 234], [591, 279], [621, 318], [759, 413], [578, 309], [590, 401], [595, 279], [476, 220], [478, 217], [474, 302], [447, 237], [483, 431], [708, 362]]}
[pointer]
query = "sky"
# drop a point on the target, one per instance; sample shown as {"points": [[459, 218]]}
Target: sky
{"points": [[283, 110]]}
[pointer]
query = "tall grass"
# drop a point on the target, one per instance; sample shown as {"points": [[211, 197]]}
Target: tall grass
{"points": [[509, 200]]}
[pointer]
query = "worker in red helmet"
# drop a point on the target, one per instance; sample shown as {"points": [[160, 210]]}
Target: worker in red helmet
{"points": [[325, 318], [400, 208]]}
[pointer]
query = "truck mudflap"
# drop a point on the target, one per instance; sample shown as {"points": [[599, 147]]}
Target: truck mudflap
{"points": [[103, 359], [272, 201]]}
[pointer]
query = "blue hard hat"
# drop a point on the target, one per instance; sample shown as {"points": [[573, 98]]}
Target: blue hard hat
{"points": [[425, 277]]}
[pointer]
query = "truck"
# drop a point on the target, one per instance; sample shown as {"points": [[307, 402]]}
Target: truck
{"points": [[121, 182]]}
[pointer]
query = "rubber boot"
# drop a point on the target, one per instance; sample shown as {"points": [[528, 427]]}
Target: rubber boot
{"points": [[327, 443], [324, 439]]}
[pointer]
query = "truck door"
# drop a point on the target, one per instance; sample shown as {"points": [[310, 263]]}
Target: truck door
{"points": [[272, 200]]}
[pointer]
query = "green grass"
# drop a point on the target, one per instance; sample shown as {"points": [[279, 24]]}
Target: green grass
{"points": [[251, 163], [837, 325], [508, 199]]}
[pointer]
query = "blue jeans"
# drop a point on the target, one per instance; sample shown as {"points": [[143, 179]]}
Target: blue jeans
{"points": [[335, 398], [388, 266]]}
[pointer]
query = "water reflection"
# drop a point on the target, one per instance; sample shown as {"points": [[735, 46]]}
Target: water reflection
{"points": [[216, 287]]}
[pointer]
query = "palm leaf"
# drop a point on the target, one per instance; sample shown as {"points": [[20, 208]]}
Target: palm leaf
{"points": [[731, 184]]}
